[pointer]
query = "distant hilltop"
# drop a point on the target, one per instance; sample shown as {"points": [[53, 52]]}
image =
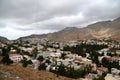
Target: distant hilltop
{"points": [[3, 39], [98, 30]]}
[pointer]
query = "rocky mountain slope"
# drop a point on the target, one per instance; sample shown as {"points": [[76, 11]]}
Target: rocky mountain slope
{"points": [[3, 39], [98, 30]]}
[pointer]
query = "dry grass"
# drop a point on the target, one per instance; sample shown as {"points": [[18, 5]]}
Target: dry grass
{"points": [[17, 72]]}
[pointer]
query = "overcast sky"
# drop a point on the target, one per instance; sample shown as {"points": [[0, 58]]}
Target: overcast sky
{"points": [[25, 17]]}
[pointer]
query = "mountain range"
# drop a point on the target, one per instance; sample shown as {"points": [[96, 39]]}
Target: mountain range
{"points": [[98, 30]]}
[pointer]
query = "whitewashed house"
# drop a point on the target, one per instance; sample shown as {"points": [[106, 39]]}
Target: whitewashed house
{"points": [[115, 72], [86, 61], [36, 63], [101, 70], [15, 57]]}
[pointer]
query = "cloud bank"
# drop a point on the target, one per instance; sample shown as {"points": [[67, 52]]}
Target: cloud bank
{"points": [[24, 17]]}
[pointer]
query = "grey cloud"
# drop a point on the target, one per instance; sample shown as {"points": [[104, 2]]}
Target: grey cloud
{"points": [[2, 25], [54, 15], [106, 9], [34, 10]]}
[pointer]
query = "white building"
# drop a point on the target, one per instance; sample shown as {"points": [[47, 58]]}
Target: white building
{"points": [[15, 57], [86, 61], [111, 77]]}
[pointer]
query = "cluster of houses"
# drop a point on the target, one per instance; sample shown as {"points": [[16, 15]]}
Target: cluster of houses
{"points": [[54, 55]]}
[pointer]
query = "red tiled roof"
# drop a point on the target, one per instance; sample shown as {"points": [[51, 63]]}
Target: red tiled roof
{"points": [[86, 75], [14, 55], [109, 59], [102, 69]]}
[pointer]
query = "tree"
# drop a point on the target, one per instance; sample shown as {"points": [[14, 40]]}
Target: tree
{"points": [[42, 67], [63, 55], [105, 62], [6, 60], [5, 50], [61, 70], [40, 58], [35, 52], [24, 62]]}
